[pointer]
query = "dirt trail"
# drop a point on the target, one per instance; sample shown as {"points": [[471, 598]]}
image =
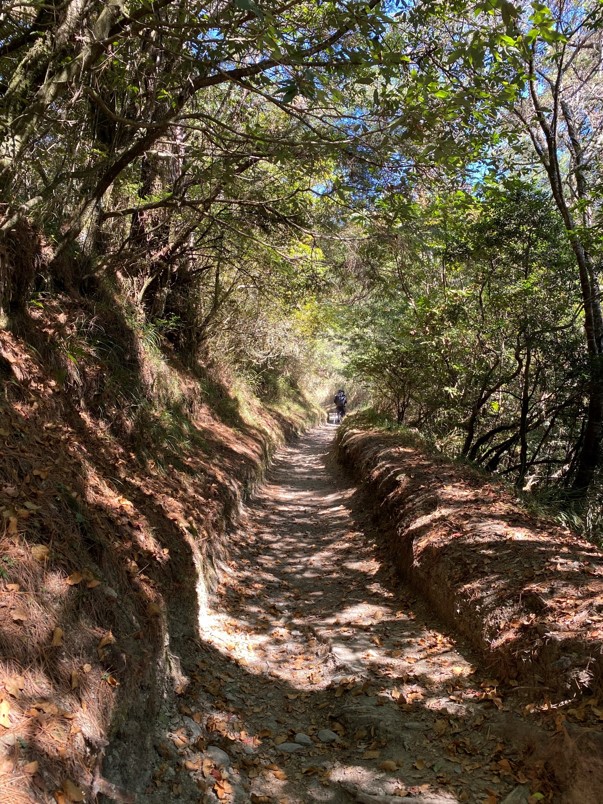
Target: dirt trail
{"points": [[321, 678]]}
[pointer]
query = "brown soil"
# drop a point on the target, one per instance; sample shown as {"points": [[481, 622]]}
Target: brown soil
{"points": [[527, 593], [111, 529], [312, 634]]}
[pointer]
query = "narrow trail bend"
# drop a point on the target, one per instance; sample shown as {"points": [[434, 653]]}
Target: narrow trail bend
{"points": [[322, 679]]}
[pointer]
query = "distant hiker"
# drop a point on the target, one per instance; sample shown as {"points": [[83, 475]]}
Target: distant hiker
{"points": [[340, 401]]}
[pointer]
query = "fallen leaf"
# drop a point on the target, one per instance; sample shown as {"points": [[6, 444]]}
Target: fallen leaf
{"points": [[31, 767], [74, 579], [108, 639], [19, 615], [13, 587], [280, 774], [14, 686], [4, 718], [388, 765], [57, 637], [222, 789], [111, 681], [47, 706], [419, 764], [40, 552], [13, 525], [73, 791], [263, 733], [93, 583], [87, 668], [75, 680]]}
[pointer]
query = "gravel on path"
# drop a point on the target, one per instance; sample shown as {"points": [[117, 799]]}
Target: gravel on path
{"points": [[320, 678]]}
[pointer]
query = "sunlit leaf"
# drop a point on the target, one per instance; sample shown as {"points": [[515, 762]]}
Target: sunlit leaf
{"points": [[57, 637], [73, 791], [40, 552], [4, 712]]}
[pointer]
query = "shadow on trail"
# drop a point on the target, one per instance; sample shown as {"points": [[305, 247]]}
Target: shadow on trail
{"points": [[314, 631]]}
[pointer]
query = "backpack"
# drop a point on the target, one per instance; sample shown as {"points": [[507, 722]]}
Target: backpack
{"points": [[340, 398]]}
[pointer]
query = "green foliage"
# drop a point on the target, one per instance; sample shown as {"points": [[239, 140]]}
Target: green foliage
{"points": [[476, 338], [296, 192]]}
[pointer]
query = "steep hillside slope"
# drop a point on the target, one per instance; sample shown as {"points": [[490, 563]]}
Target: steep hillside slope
{"points": [[120, 469]]}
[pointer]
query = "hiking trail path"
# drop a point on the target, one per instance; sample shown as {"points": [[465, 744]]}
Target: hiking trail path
{"points": [[321, 677]]}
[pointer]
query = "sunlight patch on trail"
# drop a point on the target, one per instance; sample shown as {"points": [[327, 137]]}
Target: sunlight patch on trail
{"points": [[328, 645]]}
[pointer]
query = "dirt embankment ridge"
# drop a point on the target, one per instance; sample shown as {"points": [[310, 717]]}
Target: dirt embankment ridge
{"points": [[525, 592]]}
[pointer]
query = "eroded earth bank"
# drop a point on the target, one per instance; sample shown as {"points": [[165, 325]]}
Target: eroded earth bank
{"points": [[319, 676]]}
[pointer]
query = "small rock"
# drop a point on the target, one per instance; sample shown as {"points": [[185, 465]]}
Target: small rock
{"points": [[194, 728], [166, 750], [412, 725], [289, 748], [327, 736], [303, 739], [520, 795], [240, 794], [220, 757]]}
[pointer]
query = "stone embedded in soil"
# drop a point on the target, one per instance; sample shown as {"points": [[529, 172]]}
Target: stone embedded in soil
{"points": [[386, 722], [414, 725], [289, 748], [220, 757], [303, 739], [521, 795], [327, 736], [194, 728]]}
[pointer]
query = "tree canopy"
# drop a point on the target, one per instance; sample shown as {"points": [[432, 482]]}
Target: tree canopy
{"points": [[412, 186]]}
